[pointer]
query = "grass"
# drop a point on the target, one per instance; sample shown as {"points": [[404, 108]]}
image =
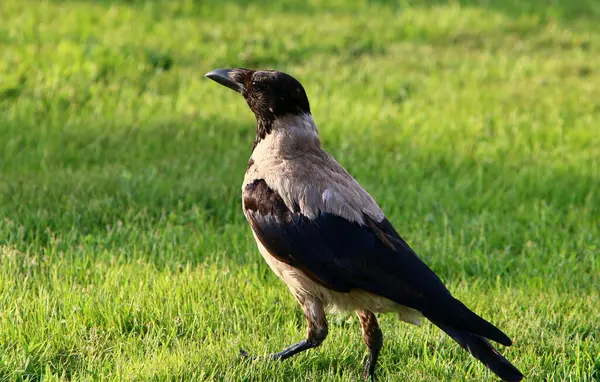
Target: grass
{"points": [[124, 254]]}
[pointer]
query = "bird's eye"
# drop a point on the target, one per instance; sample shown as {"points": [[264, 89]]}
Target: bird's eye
{"points": [[257, 85]]}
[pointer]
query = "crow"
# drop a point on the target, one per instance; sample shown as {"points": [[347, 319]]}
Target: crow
{"points": [[329, 241]]}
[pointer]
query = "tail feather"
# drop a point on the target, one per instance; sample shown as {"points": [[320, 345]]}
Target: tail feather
{"points": [[474, 323], [481, 349], [462, 318]]}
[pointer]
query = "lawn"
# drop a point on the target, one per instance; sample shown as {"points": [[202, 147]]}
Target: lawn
{"points": [[124, 254]]}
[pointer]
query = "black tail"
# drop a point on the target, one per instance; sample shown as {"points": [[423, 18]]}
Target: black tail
{"points": [[454, 314], [481, 349]]}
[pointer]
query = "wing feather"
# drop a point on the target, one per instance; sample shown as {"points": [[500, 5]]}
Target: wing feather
{"points": [[342, 255]]}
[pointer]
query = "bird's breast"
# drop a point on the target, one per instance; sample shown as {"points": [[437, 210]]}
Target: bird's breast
{"points": [[312, 183]]}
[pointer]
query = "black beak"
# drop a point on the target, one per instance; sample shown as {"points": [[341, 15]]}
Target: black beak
{"points": [[222, 76]]}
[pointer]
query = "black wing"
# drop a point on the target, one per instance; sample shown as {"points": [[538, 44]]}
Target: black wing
{"points": [[342, 255]]}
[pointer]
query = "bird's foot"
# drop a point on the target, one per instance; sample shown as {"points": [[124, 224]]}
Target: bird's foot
{"points": [[246, 355], [285, 353]]}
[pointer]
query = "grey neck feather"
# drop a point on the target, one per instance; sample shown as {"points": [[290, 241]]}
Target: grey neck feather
{"points": [[299, 127]]}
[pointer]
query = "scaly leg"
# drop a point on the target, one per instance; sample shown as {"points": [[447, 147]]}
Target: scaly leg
{"points": [[373, 339], [316, 330]]}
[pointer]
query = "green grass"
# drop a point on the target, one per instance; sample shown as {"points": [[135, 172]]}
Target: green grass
{"points": [[124, 254]]}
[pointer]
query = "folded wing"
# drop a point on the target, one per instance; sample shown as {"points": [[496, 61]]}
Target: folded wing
{"points": [[343, 255]]}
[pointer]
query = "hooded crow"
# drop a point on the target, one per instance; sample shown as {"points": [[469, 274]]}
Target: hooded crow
{"points": [[328, 240]]}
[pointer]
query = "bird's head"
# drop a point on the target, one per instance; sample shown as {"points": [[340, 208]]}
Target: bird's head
{"points": [[270, 94]]}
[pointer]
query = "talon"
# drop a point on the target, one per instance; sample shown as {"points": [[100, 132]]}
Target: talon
{"points": [[245, 354]]}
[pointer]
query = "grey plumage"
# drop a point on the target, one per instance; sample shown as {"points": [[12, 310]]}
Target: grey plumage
{"points": [[328, 240]]}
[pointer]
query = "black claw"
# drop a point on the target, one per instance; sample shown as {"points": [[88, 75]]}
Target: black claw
{"points": [[245, 354], [285, 353]]}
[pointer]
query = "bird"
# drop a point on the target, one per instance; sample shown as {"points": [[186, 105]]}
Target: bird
{"points": [[329, 241]]}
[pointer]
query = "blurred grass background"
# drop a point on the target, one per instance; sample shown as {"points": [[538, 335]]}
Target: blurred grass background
{"points": [[124, 254]]}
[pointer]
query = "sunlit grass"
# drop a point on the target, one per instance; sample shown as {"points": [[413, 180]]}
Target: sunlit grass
{"points": [[124, 254]]}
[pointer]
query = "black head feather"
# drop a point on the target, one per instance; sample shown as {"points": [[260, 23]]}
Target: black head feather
{"points": [[270, 94]]}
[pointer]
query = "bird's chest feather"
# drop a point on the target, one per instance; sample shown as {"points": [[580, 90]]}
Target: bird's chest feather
{"points": [[307, 180]]}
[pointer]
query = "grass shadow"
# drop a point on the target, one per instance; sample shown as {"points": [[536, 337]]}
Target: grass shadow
{"points": [[104, 188]]}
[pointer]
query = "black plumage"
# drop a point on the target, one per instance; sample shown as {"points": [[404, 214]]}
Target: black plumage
{"points": [[342, 255]]}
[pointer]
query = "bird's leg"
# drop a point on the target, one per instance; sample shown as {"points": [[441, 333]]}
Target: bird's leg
{"points": [[373, 339], [316, 330]]}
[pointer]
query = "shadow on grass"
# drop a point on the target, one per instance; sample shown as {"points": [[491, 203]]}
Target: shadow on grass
{"points": [[78, 183]]}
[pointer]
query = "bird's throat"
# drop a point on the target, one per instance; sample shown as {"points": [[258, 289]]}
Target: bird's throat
{"points": [[263, 128]]}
